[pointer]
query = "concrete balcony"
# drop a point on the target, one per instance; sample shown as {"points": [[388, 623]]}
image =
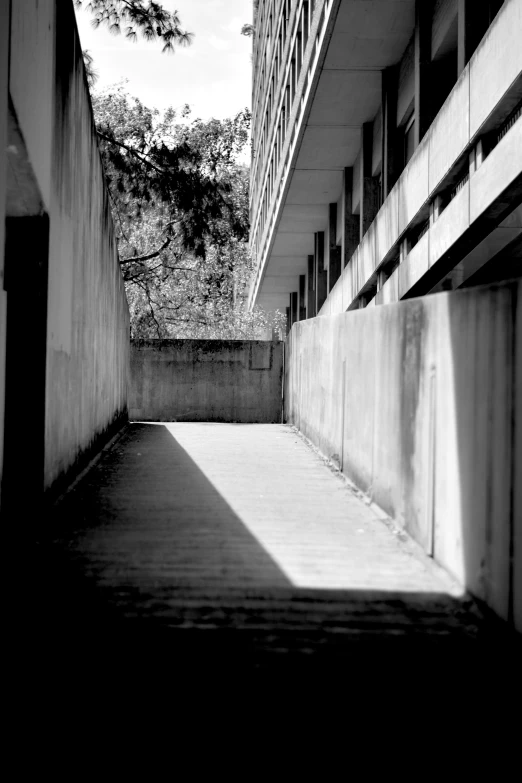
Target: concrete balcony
{"points": [[342, 91]]}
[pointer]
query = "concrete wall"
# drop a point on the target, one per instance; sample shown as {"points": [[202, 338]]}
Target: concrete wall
{"points": [[206, 380], [87, 323], [419, 403]]}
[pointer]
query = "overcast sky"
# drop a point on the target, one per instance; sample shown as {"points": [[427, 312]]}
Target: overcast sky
{"points": [[213, 75]]}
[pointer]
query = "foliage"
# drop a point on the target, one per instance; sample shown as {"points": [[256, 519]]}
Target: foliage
{"points": [[250, 29], [149, 19], [90, 72], [182, 171], [180, 204]]}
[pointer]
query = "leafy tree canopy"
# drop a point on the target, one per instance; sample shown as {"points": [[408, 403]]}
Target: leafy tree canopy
{"points": [[180, 204], [182, 169], [146, 18], [179, 198]]}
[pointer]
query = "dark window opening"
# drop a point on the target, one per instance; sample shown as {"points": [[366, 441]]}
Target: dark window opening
{"points": [[408, 147]]}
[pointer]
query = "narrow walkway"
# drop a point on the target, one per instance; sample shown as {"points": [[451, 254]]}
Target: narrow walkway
{"points": [[237, 542]]}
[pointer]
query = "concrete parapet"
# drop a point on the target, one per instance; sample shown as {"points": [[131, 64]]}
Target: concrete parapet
{"points": [[206, 380], [419, 402]]}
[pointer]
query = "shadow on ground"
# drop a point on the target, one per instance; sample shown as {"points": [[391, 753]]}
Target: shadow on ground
{"points": [[136, 573]]}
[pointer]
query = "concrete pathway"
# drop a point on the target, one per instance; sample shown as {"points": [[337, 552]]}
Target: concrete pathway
{"points": [[239, 543]]}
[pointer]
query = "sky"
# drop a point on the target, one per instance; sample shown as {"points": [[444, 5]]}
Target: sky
{"points": [[213, 75]]}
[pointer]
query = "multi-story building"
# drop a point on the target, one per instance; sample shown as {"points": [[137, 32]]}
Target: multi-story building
{"points": [[387, 165], [387, 150]]}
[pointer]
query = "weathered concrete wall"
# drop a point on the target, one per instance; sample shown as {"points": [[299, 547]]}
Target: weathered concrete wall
{"points": [[87, 322], [206, 380], [420, 403]]}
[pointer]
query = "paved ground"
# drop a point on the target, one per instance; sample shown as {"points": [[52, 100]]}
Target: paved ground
{"points": [[236, 545]]}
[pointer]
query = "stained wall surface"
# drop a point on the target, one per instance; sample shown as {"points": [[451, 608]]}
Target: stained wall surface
{"points": [[206, 380], [419, 403], [87, 314]]}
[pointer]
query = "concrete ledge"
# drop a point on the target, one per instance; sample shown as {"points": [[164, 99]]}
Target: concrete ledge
{"points": [[500, 169]]}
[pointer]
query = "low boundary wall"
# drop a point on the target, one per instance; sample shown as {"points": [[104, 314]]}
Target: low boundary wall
{"points": [[206, 380], [420, 404]]}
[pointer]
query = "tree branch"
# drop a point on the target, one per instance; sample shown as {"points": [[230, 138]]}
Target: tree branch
{"points": [[141, 156], [148, 256]]}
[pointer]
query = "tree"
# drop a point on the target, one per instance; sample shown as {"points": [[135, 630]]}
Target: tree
{"points": [[149, 19], [179, 198], [249, 29], [180, 204]]}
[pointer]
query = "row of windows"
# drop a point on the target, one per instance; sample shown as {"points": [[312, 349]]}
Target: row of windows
{"points": [[269, 141], [269, 77]]}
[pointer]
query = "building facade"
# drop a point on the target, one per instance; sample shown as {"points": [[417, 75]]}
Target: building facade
{"points": [[387, 150]]}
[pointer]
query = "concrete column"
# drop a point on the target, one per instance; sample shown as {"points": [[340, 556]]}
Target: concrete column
{"points": [[369, 185], [389, 129], [288, 320], [310, 304], [302, 298], [474, 17], [423, 12], [463, 35], [320, 272], [351, 228], [334, 252], [294, 307]]}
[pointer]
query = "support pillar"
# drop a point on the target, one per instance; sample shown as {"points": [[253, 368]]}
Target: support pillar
{"points": [[294, 307], [310, 304], [369, 185], [334, 252], [302, 298], [389, 129], [463, 39], [474, 18], [320, 272], [351, 228], [422, 56]]}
